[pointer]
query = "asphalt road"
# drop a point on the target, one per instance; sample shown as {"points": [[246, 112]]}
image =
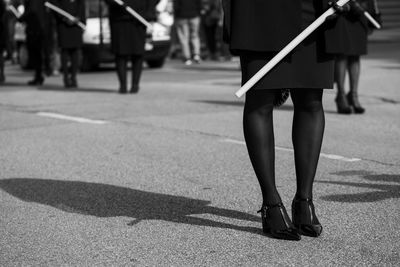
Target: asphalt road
{"points": [[162, 178]]}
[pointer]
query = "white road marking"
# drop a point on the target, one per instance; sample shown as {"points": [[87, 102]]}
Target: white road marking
{"points": [[70, 118], [328, 156]]}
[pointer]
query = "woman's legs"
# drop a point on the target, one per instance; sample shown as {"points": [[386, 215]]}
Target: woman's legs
{"points": [[137, 66], [65, 57], [340, 76], [354, 67], [2, 76], [121, 62], [259, 136], [74, 55], [307, 134]]}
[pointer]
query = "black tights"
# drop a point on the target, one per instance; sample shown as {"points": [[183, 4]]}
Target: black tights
{"points": [[1, 66], [307, 134], [137, 65], [70, 62], [350, 64]]}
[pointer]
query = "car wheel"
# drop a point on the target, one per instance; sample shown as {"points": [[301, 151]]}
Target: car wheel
{"points": [[156, 63]]}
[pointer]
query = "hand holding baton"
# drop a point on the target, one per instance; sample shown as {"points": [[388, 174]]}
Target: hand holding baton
{"points": [[134, 14], [14, 11], [65, 14], [288, 48], [362, 11]]}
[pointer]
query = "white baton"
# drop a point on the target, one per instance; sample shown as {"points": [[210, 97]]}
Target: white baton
{"points": [[134, 14], [14, 11], [65, 14]]}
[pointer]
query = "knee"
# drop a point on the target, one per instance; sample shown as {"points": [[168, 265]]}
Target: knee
{"points": [[313, 106], [256, 109]]}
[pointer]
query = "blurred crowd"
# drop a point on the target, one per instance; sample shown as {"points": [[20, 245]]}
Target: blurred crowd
{"points": [[196, 34]]}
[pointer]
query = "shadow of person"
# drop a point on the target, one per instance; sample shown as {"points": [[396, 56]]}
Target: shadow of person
{"points": [[61, 88], [381, 191], [102, 200]]}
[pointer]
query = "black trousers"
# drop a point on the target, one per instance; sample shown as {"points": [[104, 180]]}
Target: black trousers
{"points": [[35, 53], [70, 63]]}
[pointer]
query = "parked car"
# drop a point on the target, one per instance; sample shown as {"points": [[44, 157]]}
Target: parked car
{"points": [[97, 41]]}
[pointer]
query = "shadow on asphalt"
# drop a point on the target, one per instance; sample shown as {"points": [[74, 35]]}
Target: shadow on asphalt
{"points": [[241, 104], [381, 191], [102, 200], [51, 87]]}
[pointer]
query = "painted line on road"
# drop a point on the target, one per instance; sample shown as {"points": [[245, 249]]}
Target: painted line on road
{"points": [[70, 118], [328, 156]]}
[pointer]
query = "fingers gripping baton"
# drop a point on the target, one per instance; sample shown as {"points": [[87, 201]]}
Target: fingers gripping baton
{"points": [[65, 14], [288, 48], [134, 14], [14, 11]]}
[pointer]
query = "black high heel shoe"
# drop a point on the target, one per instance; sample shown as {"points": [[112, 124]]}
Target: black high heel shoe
{"points": [[36, 81], [352, 99], [342, 105], [276, 223], [304, 218]]}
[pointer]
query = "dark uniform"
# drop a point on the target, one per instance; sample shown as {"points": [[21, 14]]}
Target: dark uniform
{"points": [[260, 30], [128, 37], [70, 38], [352, 29], [2, 39], [256, 31], [34, 18]]}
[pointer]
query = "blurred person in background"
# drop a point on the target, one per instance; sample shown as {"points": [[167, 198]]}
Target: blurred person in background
{"points": [[187, 22], [2, 39], [34, 17], [52, 62], [211, 19], [10, 21], [353, 29], [128, 37], [70, 38]]}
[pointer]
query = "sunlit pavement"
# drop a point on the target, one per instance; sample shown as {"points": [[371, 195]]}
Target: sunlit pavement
{"points": [[92, 177]]}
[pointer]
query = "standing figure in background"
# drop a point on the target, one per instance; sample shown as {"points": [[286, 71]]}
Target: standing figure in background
{"points": [[2, 39], [352, 27], [51, 52], [187, 21], [211, 16], [70, 38], [9, 23], [34, 19], [128, 36]]}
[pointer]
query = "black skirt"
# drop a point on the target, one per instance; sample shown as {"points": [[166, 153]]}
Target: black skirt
{"points": [[306, 67], [127, 37], [353, 37]]}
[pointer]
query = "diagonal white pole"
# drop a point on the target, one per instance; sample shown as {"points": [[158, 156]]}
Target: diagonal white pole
{"points": [[65, 14], [372, 20], [287, 49], [134, 14], [14, 11]]}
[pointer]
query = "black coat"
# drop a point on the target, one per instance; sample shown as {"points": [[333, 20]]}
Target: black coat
{"points": [[35, 19], [265, 26], [184, 9], [128, 35], [69, 34], [351, 30]]}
